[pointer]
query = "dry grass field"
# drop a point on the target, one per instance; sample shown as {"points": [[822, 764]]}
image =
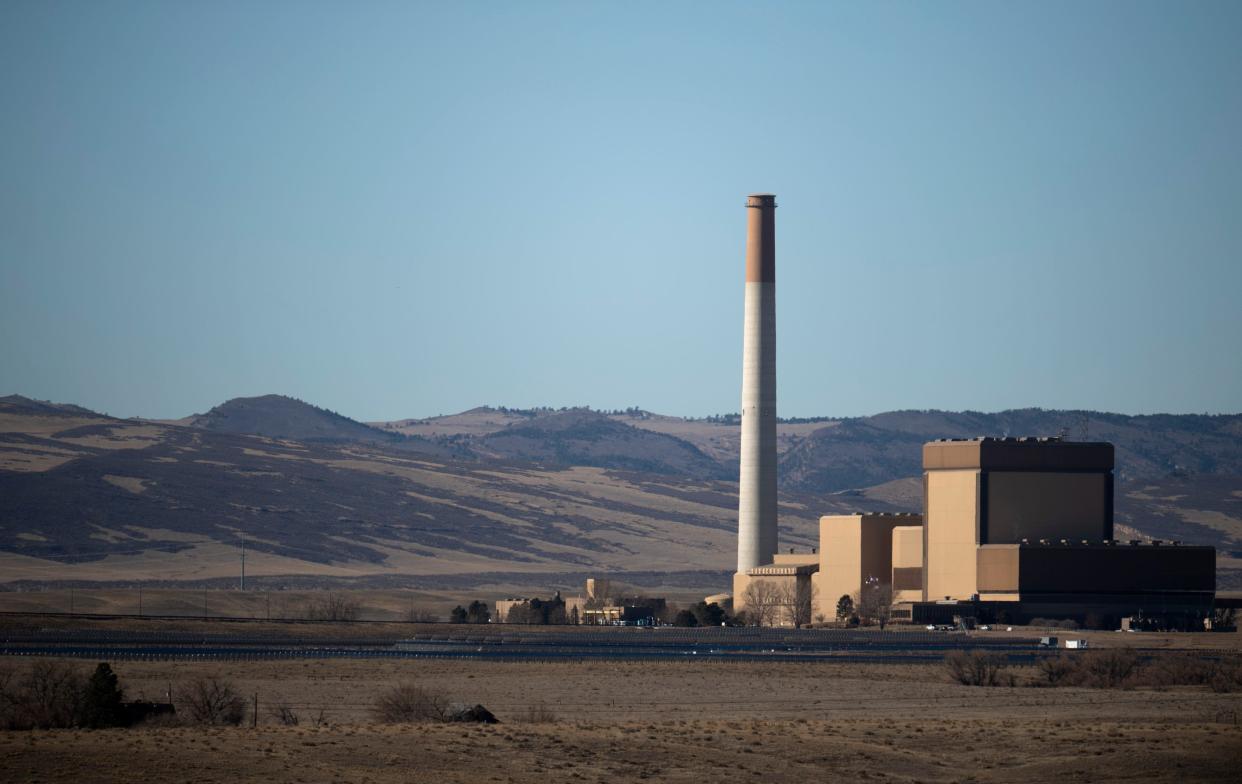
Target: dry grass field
{"points": [[623, 722]]}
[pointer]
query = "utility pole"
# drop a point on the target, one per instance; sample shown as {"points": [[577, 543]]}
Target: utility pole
{"points": [[71, 601], [243, 564], [139, 600]]}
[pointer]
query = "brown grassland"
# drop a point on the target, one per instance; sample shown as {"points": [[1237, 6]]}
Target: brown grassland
{"points": [[639, 721]]}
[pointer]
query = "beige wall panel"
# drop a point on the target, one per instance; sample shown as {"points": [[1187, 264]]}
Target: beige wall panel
{"points": [[740, 581], [952, 519], [840, 560], [908, 547], [998, 568], [877, 550]]}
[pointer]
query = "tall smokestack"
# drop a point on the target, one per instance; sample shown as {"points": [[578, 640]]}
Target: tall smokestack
{"points": [[756, 511]]}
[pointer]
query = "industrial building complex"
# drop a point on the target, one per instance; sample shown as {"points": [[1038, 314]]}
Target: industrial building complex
{"points": [[1011, 529]]}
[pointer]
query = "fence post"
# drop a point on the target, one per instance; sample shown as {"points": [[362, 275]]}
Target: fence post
{"points": [[254, 718]]}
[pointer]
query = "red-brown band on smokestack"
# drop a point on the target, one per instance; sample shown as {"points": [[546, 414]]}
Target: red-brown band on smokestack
{"points": [[761, 238]]}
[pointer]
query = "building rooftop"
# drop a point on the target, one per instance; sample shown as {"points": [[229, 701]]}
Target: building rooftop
{"points": [[1031, 453], [782, 570]]}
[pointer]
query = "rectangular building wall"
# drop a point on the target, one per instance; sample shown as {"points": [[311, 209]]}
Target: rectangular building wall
{"points": [[1040, 505], [951, 529], [840, 562], [908, 563]]}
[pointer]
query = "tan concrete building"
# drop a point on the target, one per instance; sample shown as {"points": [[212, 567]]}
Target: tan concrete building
{"points": [[1013, 528], [1003, 490], [780, 593], [907, 579], [852, 549], [1023, 527]]}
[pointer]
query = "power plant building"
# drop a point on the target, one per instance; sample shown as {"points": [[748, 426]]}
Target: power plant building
{"points": [[855, 549], [1016, 528]]}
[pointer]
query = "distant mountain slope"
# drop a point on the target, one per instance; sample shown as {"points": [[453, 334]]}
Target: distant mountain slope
{"points": [[1200, 508], [478, 421], [857, 453], [588, 438], [20, 403], [277, 416], [85, 496], [131, 499]]}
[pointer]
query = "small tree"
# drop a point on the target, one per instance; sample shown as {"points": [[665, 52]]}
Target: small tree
{"points": [[762, 601], [458, 615], [101, 700], [975, 668], [478, 612], [48, 694], [333, 607], [845, 608], [685, 618], [1055, 669], [406, 702], [795, 602], [213, 700], [421, 615], [708, 614], [874, 602]]}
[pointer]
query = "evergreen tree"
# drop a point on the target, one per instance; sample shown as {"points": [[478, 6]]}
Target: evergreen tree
{"points": [[708, 614], [458, 615], [101, 700], [845, 607], [477, 612]]}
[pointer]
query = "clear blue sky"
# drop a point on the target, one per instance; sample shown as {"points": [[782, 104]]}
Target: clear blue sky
{"points": [[406, 209]]}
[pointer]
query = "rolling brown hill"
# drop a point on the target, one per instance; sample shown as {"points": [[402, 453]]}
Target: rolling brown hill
{"points": [[90, 498], [278, 416], [861, 452], [582, 437], [507, 496]]}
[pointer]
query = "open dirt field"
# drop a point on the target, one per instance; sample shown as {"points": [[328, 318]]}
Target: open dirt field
{"points": [[1035, 750], [622, 722]]}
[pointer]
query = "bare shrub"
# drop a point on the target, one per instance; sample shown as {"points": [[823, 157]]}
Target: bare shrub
{"points": [[333, 607], [1178, 670], [1054, 623], [284, 714], [1055, 670], [421, 615], [8, 696], [212, 700], [319, 718], [1108, 668], [1227, 676], [539, 713], [48, 694], [976, 668], [406, 702]]}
